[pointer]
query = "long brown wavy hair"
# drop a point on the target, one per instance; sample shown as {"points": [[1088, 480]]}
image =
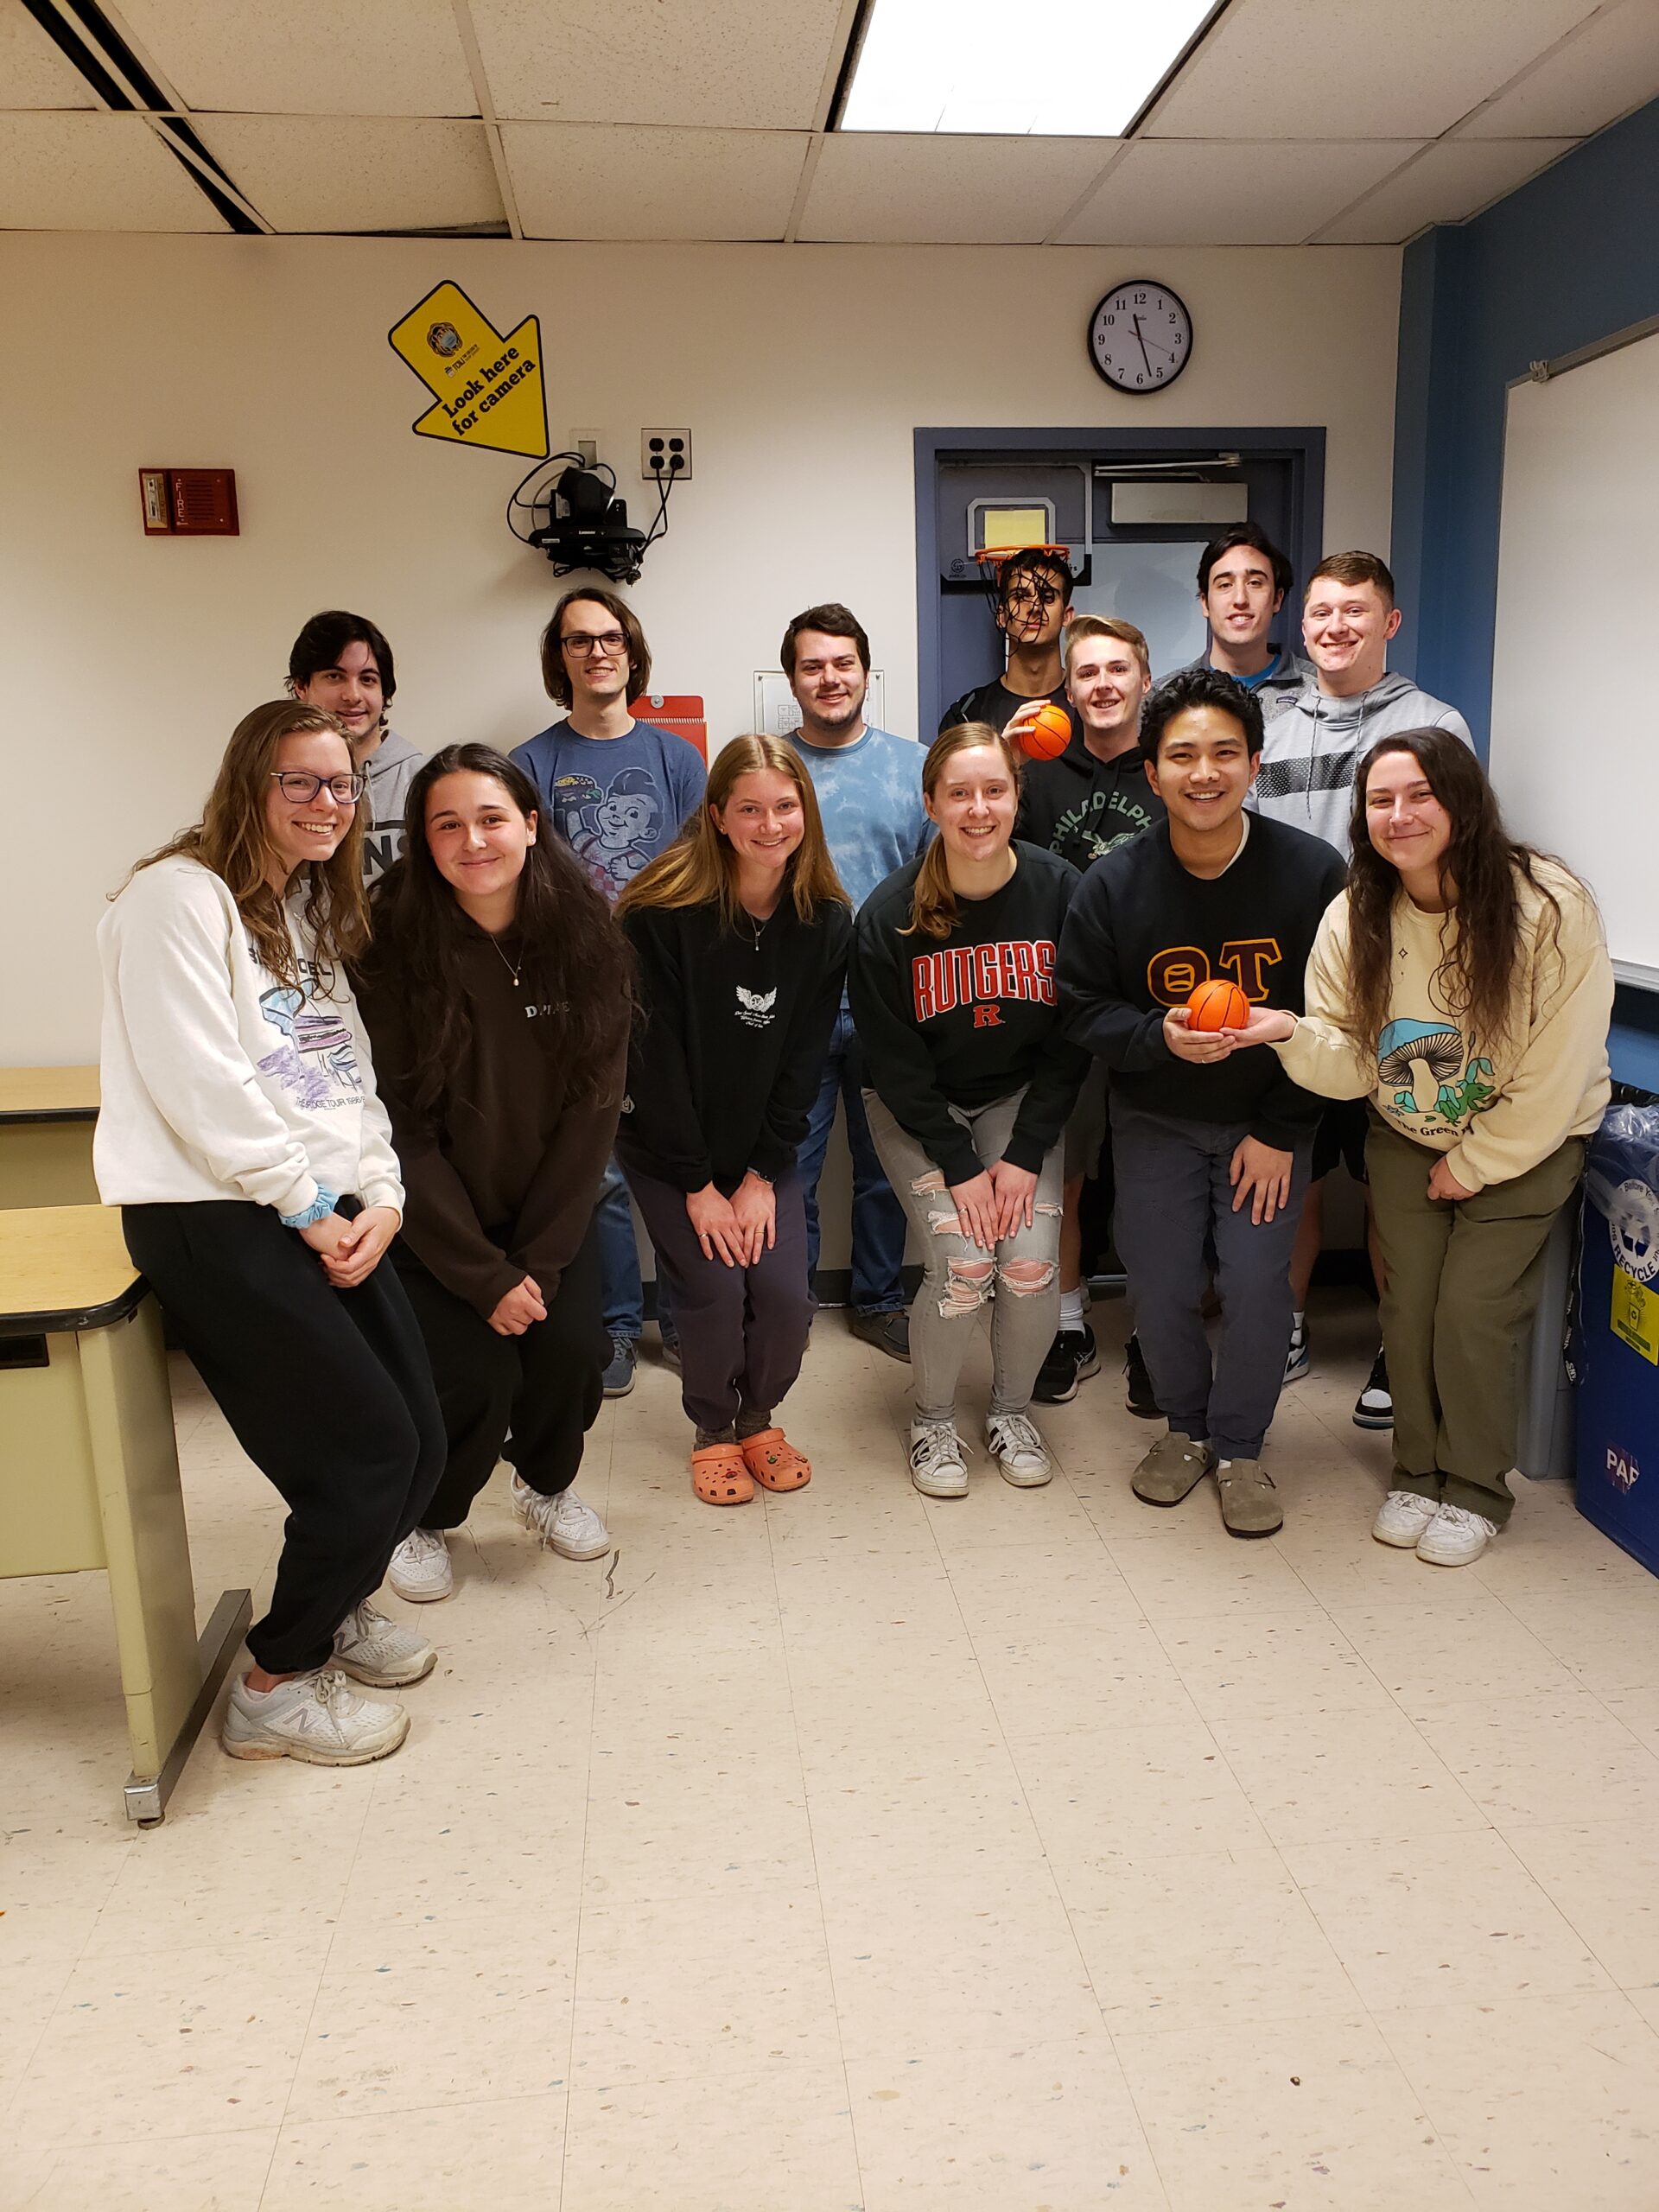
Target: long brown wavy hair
{"points": [[572, 958], [231, 839], [700, 868], [1480, 935], [933, 911]]}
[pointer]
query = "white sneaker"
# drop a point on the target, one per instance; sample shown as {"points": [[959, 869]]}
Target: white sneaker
{"points": [[1453, 1537], [1402, 1518], [1013, 1443], [315, 1718], [419, 1569], [936, 1467], [563, 1523], [383, 1654]]}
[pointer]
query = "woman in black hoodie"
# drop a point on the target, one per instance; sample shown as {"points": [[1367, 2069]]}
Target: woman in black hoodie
{"points": [[952, 991]]}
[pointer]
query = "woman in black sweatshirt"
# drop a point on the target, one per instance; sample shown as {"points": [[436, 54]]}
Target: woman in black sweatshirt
{"points": [[496, 992], [952, 991], [740, 932]]}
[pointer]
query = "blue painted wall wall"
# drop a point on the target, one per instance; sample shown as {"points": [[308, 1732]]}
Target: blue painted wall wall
{"points": [[1568, 259]]}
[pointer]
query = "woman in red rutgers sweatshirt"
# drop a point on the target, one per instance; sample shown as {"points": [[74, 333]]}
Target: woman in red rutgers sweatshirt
{"points": [[952, 989]]}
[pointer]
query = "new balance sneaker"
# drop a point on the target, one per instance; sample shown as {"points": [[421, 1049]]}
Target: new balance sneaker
{"points": [[1019, 1451], [1374, 1407], [1249, 1503], [1142, 1400], [1402, 1518], [1296, 1359], [1072, 1358], [1174, 1465], [382, 1653], [316, 1717], [936, 1466], [419, 1569], [889, 1333], [618, 1376], [1454, 1538], [563, 1523]]}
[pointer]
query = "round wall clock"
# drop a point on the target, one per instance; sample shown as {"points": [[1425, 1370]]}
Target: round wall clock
{"points": [[1140, 336]]}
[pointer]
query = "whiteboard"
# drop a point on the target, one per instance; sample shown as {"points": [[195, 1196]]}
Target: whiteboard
{"points": [[1573, 755]]}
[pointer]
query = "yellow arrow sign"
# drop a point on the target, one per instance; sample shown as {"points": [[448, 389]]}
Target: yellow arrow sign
{"points": [[489, 388]]}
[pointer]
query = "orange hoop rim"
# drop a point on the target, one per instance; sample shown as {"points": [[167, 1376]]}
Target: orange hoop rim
{"points": [[989, 555]]}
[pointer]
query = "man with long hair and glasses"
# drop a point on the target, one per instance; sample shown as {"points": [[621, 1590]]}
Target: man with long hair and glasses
{"points": [[617, 791]]}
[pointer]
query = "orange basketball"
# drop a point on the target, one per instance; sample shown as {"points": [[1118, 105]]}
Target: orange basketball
{"points": [[1048, 733], [1218, 1005]]}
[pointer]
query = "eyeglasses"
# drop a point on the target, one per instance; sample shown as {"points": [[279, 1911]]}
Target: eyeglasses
{"points": [[581, 647], [299, 789]]}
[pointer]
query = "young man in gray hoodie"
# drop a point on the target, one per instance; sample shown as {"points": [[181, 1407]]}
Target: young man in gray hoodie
{"points": [[1312, 751], [1314, 745], [342, 664]]}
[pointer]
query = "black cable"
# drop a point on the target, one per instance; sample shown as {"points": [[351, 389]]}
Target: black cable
{"points": [[665, 484]]}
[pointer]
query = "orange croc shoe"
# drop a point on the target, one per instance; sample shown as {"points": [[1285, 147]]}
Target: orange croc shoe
{"points": [[774, 1462], [719, 1476]]}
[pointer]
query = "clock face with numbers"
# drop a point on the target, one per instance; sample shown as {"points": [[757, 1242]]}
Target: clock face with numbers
{"points": [[1140, 336]]}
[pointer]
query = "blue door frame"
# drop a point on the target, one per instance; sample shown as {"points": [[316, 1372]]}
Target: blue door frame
{"points": [[1304, 443]]}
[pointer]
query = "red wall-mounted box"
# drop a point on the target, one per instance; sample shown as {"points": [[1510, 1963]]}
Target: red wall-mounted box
{"points": [[188, 502]]}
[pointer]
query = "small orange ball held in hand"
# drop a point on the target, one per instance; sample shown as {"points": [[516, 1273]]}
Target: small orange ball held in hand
{"points": [[1048, 733], [1218, 1005]]}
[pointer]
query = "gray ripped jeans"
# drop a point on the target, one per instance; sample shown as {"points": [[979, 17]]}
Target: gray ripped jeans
{"points": [[958, 1273]]}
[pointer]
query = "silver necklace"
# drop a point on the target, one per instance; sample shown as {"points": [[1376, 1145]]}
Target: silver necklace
{"points": [[506, 962]]}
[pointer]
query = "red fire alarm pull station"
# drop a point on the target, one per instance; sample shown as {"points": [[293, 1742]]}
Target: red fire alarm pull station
{"points": [[188, 502]]}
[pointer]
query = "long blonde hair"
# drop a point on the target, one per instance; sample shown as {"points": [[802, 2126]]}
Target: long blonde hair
{"points": [[933, 911], [700, 868], [231, 839]]}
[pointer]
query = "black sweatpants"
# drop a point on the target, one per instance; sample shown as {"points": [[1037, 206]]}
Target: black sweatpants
{"points": [[546, 1386], [328, 1391]]}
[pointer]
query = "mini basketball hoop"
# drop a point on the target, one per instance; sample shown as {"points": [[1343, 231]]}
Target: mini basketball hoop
{"points": [[991, 558]]}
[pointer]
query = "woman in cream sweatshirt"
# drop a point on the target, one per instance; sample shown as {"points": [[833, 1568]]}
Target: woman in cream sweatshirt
{"points": [[241, 1136], [1462, 983]]}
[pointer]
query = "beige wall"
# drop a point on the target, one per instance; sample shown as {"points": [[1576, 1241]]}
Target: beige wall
{"points": [[801, 372]]}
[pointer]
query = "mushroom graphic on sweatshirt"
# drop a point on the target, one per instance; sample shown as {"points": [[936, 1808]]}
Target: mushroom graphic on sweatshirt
{"points": [[1460, 1090]]}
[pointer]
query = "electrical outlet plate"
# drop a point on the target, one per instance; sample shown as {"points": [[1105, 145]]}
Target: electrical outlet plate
{"points": [[659, 453], [586, 442]]}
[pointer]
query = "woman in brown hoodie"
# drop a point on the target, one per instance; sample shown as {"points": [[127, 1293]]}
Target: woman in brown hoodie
{"points": [[498, 992]]}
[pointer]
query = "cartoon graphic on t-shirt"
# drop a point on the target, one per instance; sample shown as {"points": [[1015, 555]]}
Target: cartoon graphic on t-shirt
{"points": [[315, 1058], [1462, 1079], [612, 831]]}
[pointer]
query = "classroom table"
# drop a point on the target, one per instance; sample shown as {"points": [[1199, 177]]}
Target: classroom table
{"points": [[46, 1136], [89, 1473]]}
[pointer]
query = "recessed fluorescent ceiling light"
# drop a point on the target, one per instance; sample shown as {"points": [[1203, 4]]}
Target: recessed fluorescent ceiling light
{"points": [[1061, 69]]}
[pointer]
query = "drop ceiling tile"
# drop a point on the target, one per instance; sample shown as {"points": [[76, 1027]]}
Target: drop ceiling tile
{"points": [[1611, 67], [1168, 191], [308, 57], [94, 172], [1450, 180], [753, 65], [33, 73], [369, 173], [1336, 69], [937, 190], [605, 180]]}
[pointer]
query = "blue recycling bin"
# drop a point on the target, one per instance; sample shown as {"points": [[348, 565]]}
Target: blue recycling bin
{"points": [[1617, 1335]]}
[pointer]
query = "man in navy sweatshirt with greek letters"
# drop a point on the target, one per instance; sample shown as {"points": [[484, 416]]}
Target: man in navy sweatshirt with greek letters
{"points": [[1209, 1150]]}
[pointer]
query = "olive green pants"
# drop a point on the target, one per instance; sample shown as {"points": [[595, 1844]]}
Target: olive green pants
{"points": [[1461, 1292]]}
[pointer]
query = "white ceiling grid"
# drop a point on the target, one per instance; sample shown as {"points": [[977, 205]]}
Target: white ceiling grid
{"points": [[1292, 122]]}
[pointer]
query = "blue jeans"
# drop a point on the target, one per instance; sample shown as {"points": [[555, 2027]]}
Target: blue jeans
{"points": [[878, 1217], [621, 1294]]}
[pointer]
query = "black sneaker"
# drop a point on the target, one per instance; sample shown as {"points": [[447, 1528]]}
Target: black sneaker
{"points": [[889, 1333], [1141, 1401], [1374, 1407], [1072, 1358]]}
